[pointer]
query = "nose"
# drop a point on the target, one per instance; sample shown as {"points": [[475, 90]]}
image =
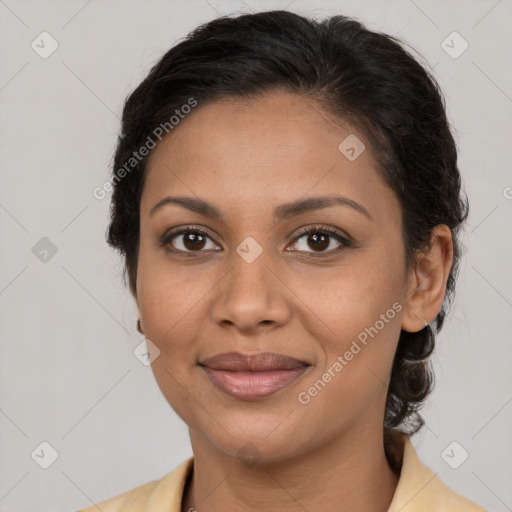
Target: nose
{"points": [[252, 296]]}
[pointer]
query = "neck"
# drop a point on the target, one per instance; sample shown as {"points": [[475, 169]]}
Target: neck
{"points": [[346, 474]]}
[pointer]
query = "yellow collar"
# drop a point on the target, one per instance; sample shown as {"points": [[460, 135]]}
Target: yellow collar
{"points": [[419, 489]]}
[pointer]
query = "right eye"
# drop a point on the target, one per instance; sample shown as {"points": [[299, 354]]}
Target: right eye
{"points": [[188, 240]]}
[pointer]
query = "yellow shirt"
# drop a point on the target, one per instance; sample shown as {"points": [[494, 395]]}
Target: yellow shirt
{"points": [[419, 490]]}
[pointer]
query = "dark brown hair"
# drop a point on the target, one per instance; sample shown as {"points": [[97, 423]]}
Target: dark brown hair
{"points": [[364, 77]]}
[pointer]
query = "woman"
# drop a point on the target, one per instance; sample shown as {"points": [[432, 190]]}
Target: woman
{"points": [[287, 201]]}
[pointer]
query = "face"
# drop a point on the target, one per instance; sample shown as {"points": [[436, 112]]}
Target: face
{"points": [[322, 285]]}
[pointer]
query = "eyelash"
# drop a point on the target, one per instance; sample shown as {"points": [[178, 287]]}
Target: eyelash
{"points": [[324, 230]]}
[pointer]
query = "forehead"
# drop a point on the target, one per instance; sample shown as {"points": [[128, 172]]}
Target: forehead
{"points": [[252, 152]]}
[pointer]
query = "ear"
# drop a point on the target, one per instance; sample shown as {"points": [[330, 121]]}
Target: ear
{"points": [[427, 281]]}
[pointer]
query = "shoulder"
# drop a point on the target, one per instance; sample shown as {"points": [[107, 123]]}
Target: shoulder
{"points": [[165, 494], [134, 499], [421, 490]]}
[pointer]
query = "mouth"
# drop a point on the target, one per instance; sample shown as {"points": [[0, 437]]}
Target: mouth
{"points": [[253, 376]]}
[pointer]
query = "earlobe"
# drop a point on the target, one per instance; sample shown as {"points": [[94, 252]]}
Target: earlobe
{"points": [[139, 321], [427, 283]]}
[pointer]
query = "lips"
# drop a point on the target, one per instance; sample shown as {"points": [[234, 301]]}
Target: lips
{"points": [[252, 376], [266, 361]]}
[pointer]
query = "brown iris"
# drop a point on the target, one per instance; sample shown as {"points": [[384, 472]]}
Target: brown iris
{"points": [[193, 241], [320, 241]]}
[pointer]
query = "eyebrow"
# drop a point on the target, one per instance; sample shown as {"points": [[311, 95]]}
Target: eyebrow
{"points": [[284, 211]]}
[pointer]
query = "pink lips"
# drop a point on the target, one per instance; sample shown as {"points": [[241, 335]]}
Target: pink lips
{"points": [[252, 376]]}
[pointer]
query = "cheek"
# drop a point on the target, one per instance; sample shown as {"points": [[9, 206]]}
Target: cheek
{"points": [[353, 377], [168, 300], [345, 301], [360, 311], [167, 295]]}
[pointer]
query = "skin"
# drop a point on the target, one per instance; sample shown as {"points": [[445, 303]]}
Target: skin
{"points": [[246, 157]]}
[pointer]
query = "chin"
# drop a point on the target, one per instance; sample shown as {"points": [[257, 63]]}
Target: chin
{"points": [[256, 447]]}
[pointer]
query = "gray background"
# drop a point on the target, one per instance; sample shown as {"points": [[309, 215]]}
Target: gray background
{"points": [[68, 374]]}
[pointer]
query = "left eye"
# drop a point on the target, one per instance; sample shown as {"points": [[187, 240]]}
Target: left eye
{"points": [[320, 240]]}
